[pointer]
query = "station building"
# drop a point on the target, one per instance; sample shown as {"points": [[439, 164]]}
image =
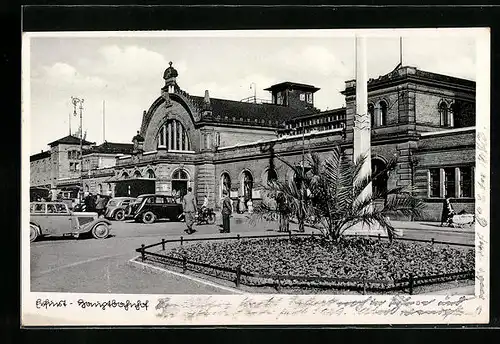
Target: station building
{"points": [[426, 120]]}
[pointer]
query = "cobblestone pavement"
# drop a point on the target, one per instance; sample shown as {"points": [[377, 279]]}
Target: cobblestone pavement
{"points": [[102, 266]]}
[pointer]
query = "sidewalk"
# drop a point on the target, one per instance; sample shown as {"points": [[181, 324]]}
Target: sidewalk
{"points": [[414, 225]]}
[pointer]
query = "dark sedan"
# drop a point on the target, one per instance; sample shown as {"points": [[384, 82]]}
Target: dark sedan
{"points": [[149, 208]]}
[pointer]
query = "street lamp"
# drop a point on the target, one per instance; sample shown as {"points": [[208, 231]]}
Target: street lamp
{"points": [[78, 103]]}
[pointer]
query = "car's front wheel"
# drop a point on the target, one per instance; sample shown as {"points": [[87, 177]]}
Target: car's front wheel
{"points": [[33, 232], [120, 215], [100, 231], [148, 217]]}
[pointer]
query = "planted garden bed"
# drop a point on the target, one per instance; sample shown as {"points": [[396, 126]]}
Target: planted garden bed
{"points": [[353, 259]]}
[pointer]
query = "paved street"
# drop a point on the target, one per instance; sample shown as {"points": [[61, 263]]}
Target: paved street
{"points": [[102, 266]]}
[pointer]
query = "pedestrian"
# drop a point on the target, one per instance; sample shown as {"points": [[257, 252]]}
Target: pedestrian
{"points": [[100, 205], [448, 212], [227, 209], [189, 207]]}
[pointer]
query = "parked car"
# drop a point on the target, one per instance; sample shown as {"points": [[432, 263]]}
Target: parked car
{"points": [[149, 208], [116, 208], [55, 219]]}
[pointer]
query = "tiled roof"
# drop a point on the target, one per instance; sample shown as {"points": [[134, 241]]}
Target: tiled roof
{"points": [[224, 110], [111, 148], [40, 156], [70, 140]]}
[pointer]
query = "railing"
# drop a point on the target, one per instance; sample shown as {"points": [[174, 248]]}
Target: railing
{"points": [[239, 276]]}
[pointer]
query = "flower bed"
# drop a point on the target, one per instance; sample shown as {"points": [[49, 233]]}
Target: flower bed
{"points": [[352, 258]]}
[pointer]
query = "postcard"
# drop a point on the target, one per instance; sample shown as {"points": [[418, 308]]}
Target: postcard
{"points": [[260, 177]]}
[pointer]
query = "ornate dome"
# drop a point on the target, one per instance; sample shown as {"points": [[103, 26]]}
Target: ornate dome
{"points": [[170, 72]]}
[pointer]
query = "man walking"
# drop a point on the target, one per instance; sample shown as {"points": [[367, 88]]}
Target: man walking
{"points": [[227, 209], [100, 205], [189, 206]]}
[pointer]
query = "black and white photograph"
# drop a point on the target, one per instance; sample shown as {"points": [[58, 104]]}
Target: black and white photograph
{"points": [[249, 177]]}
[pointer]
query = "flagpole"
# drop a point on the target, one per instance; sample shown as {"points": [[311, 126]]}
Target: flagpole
{"points": [[401, 51], [103, 121]]}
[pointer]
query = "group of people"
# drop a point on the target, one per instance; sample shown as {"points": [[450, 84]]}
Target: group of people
{"points": [[95, 203], [190, 208]]}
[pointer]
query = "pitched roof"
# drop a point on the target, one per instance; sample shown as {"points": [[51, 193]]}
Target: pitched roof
{"points": [[40, 156], [111, 148], [288, 84], [224, 110], [69, 140]]}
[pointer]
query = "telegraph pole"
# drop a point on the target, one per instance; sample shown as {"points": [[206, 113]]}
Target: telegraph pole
{"points": [[254, 91], [78, 104]]}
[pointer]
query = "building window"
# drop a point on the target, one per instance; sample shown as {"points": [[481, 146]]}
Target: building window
{"points": [[225, 185], [371, 113], [271, 175], [279, 98], [100, 189], [466, 181], [449, 182], [382, 120], [309, 97], [434, 183], [206, 141], [151, 174], [302, 97], [443, 114], [173, 136]]}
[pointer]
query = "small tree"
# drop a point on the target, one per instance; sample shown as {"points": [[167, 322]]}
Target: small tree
{"points": [[334, 200]]}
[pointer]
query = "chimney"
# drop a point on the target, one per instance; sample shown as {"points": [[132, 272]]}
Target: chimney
{"points": [[207, 98]]}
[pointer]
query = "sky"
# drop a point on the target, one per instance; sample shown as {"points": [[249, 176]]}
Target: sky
{"points": [[126, 73]]}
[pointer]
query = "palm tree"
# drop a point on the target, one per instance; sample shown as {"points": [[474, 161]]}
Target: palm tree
{"points": [[333, 199]]}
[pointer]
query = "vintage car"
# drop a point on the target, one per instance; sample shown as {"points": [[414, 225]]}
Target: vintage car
{"points": [[149, 208], [117, 208], [55, 219]]}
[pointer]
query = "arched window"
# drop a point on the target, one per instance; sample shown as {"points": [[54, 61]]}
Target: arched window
{"points": [[137, 174], [125, 175], [271, 175], [225, 184], [443, 114], [371, 113], [173, 136], [383, 114], [100, 189], [180, 175], [379, 182], [151, 174], [247, 185], [454, 115]]}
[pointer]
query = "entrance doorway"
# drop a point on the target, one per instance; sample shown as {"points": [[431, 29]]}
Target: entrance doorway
{"points": [[179, 183]]}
